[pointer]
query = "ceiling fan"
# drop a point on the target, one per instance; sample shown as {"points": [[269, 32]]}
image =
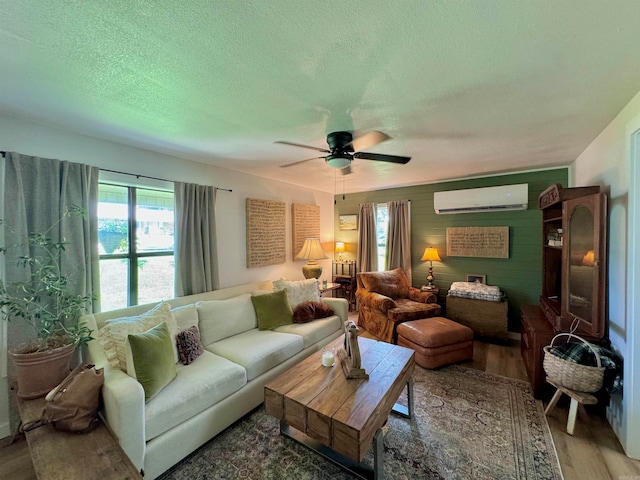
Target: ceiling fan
{"points": [[343, 149]]}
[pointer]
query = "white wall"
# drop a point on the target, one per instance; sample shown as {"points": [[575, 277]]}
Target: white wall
{"points": [[34, 139], [612, 162]]}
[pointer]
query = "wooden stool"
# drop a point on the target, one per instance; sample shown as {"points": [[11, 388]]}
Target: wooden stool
{"points": [[581, 398]]}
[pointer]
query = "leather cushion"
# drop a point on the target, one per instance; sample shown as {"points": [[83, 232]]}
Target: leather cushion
{"points": [[435, 332]]}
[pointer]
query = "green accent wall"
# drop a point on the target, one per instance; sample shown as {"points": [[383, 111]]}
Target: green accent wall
{"points": [[519, 276]]}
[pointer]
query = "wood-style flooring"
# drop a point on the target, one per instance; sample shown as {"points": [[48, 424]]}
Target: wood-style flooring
{"points": [[593, 452]]}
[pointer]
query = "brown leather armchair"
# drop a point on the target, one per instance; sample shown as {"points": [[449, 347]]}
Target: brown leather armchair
{"points": [[387, 299]]}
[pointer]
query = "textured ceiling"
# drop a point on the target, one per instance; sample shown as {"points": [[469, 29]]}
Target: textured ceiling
{"points": [[463, 87]]}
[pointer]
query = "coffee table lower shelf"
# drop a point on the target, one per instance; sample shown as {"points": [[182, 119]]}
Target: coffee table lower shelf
{"points": [[358, 469]]}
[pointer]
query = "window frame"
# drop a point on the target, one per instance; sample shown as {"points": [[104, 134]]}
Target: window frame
{"points": [[133, 255]]}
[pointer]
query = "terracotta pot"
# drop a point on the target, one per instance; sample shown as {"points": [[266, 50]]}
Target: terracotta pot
{"points": [[39, 372]]}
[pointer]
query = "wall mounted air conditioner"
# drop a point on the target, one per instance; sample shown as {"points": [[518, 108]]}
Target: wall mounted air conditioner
{"points": [[477, 200]]}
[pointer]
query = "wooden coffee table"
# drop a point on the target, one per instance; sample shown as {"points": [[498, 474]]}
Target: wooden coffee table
{"points": [[341, 418]]}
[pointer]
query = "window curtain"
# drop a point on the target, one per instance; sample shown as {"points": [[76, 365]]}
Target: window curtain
{"points": [[367, 238], [36, 194], [399, 237], [196, 241]]}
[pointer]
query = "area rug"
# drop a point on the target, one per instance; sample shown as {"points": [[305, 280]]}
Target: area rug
{"points": [[467, 425]]}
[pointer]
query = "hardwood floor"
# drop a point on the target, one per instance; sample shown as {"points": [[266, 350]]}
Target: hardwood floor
{"points": [[593, 452]]}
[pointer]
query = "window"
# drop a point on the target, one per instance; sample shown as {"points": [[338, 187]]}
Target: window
{"points": [[382, 229], [136, 235]]}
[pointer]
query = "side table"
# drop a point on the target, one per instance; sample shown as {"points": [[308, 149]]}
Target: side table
{"points": [[60, 455]]}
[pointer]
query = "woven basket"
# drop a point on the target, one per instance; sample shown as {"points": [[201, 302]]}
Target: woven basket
{"points": [[572, 375]]}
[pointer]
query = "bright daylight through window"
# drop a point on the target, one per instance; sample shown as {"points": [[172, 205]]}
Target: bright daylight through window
{"points": [[382, 229], [136, 234]]}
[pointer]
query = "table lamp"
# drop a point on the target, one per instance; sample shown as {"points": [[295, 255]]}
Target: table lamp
{"points": [[340, 249], [430, 254], [311, 251]]}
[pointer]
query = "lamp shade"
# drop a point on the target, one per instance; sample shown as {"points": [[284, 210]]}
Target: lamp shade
{"points": [[340, 248], [311, 250], [430, 254]]}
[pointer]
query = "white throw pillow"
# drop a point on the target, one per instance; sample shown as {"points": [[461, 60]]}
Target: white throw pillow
{"points": [[113, 336], [299, 291], [220, 319]]}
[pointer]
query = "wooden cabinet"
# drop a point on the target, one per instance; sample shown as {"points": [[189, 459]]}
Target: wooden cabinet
{"points": [[537, 332], [573, 290]]}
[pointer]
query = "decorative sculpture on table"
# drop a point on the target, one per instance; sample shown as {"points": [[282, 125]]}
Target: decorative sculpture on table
{"points": [[350, 356]]}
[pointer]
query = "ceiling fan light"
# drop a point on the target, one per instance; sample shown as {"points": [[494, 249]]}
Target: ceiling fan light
{"points": [[339, 160]]}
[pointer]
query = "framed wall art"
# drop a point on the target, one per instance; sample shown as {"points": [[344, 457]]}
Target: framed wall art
{"points": [[476, 277], [348, 222]]}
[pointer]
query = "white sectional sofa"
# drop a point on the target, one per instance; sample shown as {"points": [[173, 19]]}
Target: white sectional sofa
{"points": [[219, 387]]}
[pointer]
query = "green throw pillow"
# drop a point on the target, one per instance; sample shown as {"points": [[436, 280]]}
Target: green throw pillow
{"points": [[153, 360], [272, 310]]}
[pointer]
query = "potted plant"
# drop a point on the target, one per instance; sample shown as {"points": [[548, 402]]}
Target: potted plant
{"points": [[43, 302]]}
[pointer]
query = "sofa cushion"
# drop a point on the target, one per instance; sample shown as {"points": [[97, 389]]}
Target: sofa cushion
{"points": [[258, 350], [307, 311], [186, 316], [151, 360], [299, 291], [113, 336], [407, 310], [392, 283], [198, 386], [272, 310], [315, 331], [220, 319]]}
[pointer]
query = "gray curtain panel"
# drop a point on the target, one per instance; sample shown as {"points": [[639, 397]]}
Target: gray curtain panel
{"points": [[367, 238], [37, 191], [399, 237], [196, 241]]}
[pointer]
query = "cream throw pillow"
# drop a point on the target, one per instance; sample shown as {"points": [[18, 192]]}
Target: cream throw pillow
{"points": [[113, 336], [299, 291]]}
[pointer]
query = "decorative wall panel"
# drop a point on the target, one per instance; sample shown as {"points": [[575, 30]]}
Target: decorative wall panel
{"points": [[488, 242], [305, 223], [266, 232]]}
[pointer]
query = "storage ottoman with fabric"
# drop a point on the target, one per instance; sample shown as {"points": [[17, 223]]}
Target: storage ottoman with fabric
{"points": [[437, 341]]}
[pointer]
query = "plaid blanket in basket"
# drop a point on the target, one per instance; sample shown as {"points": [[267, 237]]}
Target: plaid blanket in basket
{"points": [[580, 353]]}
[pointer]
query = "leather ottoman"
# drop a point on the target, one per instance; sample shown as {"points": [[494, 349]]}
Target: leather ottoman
{"points": [[437, 341]]}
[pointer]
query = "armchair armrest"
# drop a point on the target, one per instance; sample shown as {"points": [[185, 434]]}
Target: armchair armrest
{"points": [[418, 295], [375, 300]]}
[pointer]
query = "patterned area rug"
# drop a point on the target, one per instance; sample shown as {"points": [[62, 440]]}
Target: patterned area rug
{"points": [[467, 425]]}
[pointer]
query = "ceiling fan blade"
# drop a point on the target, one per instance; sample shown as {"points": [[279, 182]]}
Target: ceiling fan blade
{"points": [[301, 161], [346, 170], [324, 150], [381, 157], [368, 140]]}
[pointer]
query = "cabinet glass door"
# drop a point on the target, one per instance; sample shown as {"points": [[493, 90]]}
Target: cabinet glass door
{"points": [[581, 272], [584, 266]]}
